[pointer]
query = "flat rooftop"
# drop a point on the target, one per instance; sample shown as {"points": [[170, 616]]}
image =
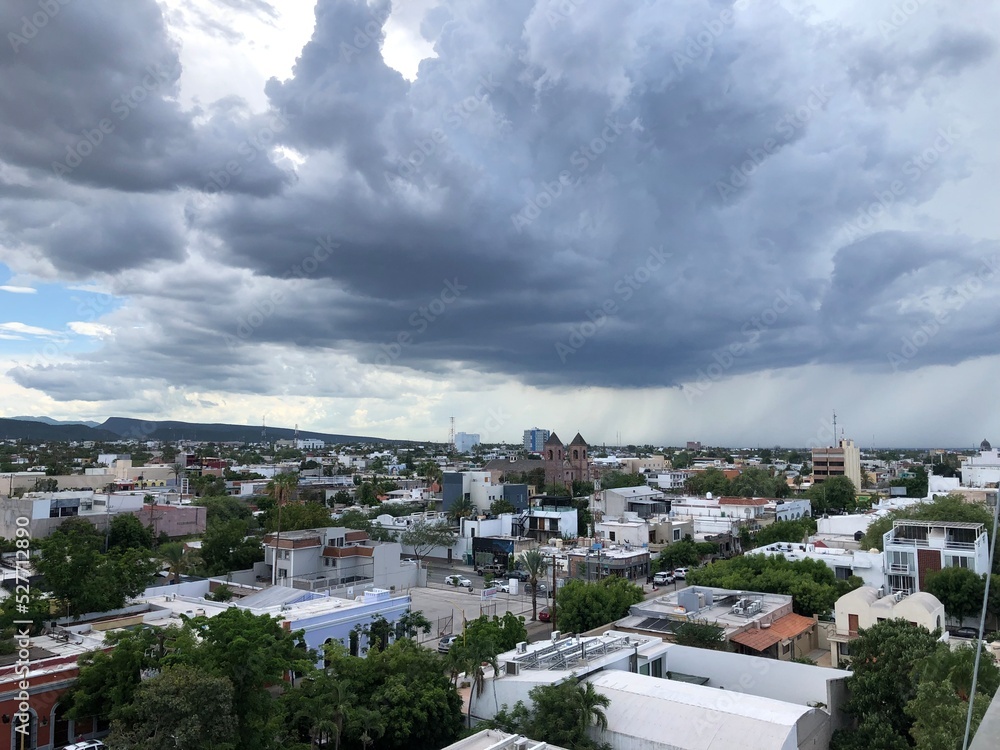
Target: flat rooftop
{"points": [[723, 607]]}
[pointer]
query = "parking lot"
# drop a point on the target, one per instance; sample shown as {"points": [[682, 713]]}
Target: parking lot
{"points": [[446, 606]]}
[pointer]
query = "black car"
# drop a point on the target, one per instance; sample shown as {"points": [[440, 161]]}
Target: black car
{"points": [[970, 633]]}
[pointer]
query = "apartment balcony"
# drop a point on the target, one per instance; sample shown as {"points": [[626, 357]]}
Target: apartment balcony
{"points": [[901, 568]]}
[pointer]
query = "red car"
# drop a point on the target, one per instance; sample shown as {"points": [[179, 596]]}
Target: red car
{"points": [[544, 615]]}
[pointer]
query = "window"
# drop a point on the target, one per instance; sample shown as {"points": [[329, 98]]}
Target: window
{"points": [[656, 668], [900, 561], [677, 535], [644, 669], [282, 573], [611, 535], [785, 648], [957, 561]]}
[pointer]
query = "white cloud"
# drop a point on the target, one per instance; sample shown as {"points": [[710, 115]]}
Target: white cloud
{"points": [[25, 330], [18, 289], [90, 329]]}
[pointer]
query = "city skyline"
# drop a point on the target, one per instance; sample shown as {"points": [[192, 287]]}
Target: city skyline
{"points": [[669, 221]]}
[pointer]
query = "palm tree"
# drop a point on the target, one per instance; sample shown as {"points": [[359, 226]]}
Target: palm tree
{"points": [[590, 705], [282, 487], [178, 559], [462, 508], [177, 470], [536, 566]]}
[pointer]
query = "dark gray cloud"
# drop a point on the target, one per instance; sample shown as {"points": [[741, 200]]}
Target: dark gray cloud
{"points": [[611, 195], [90, 98]]}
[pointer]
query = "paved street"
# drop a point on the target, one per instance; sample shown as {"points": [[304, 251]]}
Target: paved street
{"points": [[446, 605]]}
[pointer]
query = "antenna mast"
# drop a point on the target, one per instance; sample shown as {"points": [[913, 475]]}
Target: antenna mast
{"points": [[451, 433], [836, 441]]}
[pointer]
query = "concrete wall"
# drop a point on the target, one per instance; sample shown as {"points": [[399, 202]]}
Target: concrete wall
{"points": [[791, 682]]}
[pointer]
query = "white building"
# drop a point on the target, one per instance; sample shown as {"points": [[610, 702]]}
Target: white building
{"points": [[671, 480], [914, 549], [669, 697], [866, 606], [983, 469], [310, 444], [466, 441], [334, 557], [643, 501]]}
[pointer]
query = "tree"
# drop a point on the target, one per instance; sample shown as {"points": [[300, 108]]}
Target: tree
{"points": [[499, 506], [535, 565], [916, 486], [400, 695], [423, 537], [178, 559], [298, 515], [180, 708], [883, 659], [108, 681], [342, 497], [111, 579], [463, 507], [224, 508], [226, 547], [944, 685], [813, 586], [584, 606], [754, 482], [681, 460], [560, 714], [252, 652], [785, 531], [960, 590], [127, 532], [834, 493], [614, 479], [711, 480], [499, 634], [701, 635]]}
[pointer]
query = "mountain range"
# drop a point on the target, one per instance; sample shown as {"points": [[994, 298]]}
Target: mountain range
{"points": [[125, 428]]}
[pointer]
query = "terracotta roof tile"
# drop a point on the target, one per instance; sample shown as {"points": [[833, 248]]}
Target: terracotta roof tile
{"points": [[743, 501], [785, 627]]}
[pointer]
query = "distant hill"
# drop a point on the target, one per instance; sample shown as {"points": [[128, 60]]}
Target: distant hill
{"points": [[50, 420], [139, 429], [19, 429], [124, 428]]}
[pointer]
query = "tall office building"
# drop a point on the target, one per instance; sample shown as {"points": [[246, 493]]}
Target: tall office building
{"points": [[534, 439], [466, 441], [842, 461]]}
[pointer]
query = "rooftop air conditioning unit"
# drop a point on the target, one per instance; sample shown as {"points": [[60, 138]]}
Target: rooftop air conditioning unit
{"points": [[522, 647], [555, 635]]}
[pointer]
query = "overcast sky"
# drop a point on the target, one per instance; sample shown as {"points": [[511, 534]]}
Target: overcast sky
{"points": [[663, 221]]}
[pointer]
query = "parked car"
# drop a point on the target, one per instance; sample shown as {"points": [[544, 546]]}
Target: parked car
{"points": [[86, 745], [457, 580], [680, 574], [971, 633], [503, 588], [542, 588], [444, 645], [544, 614], [663, 578], [495, 568], [521, 575]]}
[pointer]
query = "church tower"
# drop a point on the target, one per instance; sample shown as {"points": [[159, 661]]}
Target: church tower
{"points": [[579, 463], [554, 456]]}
